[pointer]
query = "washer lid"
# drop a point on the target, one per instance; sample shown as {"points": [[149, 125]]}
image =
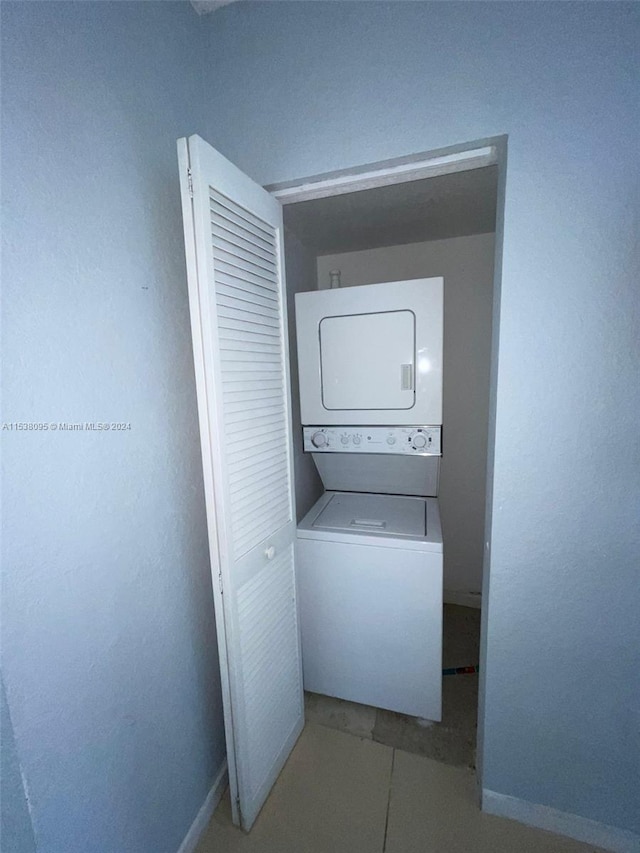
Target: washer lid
{"points": [[385, 515]]}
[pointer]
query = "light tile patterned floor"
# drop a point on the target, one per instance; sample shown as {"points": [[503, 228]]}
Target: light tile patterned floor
{"points": [[433, 807], [343, 794]]}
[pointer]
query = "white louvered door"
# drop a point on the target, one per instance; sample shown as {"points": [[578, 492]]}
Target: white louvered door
{"points": [[233, 239]]}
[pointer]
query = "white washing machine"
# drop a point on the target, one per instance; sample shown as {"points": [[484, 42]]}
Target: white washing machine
{"points": [[369, 553], [369, 570]]}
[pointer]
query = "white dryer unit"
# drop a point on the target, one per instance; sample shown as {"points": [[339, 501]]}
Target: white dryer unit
{"points": [[371, 354]]}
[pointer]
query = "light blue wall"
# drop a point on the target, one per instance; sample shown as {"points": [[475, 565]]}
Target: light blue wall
{"points": [[109, 650], [301, 88], [16, 831]]}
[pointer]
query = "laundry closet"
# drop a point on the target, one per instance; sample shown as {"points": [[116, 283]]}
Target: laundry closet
{"points": [[434, 227], [344, 450]]}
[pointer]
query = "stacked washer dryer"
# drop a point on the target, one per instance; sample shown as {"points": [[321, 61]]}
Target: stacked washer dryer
{"points": [[369, 552]]}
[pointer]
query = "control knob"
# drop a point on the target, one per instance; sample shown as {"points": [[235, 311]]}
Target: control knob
{"points": [[419, 441], [319, 439]]}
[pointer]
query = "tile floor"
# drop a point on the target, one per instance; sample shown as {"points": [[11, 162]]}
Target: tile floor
{"points": [[344, 794], [453, 741], [363, 780]]}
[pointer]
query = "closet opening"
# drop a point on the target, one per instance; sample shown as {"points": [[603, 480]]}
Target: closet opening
{"points": [[419, 218]]}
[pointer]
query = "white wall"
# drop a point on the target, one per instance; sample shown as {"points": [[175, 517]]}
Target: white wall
{"points": [[300, 266], [467, 266], [108, 637], [297, 89]]}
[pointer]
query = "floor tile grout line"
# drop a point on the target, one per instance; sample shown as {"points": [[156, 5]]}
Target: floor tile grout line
{"points": [[386, 822]]}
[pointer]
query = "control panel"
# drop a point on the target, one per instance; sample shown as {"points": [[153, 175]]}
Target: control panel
{"points": [[416, 441]]}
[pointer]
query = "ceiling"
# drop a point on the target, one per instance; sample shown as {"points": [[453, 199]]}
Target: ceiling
{"points": [[454, 205]]}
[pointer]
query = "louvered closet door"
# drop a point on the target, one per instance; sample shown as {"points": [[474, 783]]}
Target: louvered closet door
{"points": [[233, 237]]}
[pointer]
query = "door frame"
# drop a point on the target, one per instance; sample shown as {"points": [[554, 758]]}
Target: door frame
{"points": [[491, 151], [399, 170]]}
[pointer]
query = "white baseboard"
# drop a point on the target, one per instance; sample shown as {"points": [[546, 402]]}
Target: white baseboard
{"points": [[562, 823], [207, 809], [466, 599]]}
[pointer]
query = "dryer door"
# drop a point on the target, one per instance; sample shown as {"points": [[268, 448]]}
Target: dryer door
{"points": [[367, 361]]}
